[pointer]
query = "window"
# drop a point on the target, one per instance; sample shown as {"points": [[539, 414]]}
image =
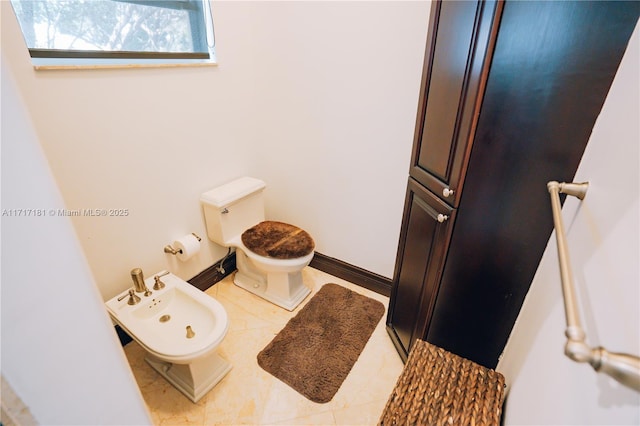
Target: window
{"points": [[76, 32]]}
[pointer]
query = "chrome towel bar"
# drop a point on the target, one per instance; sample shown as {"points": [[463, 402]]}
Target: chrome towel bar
{"points": [[624, 368]]}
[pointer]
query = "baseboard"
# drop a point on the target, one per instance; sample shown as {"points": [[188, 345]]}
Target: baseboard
{"points": [[330, 265], [351, 273], [213, 274]]}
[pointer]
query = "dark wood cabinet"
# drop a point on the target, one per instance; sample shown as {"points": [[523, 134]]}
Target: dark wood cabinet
{"points": [[455, 60], [427, 229], [510, 93], [460, 35]]}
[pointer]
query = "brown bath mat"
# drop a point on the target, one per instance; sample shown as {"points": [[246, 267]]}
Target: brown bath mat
{"points": [[317, 348]]}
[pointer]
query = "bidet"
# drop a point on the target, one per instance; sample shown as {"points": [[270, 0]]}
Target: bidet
{"points": [[180, 327]]}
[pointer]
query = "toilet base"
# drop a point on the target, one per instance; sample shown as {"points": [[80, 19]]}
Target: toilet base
{"points": [[280, 288], [193, 380]]}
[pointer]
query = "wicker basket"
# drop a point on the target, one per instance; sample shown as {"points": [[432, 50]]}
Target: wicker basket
{"points": [[437, 387]]}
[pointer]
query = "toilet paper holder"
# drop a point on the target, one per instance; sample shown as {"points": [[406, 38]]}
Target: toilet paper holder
{"points": [[171, 250]]}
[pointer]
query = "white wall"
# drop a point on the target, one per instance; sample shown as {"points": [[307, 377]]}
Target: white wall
{"points": [[316, 98], [603, 234], [59, 350], [336, 118]]}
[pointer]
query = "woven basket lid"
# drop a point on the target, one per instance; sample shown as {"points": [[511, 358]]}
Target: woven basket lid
{"points": [[437, 387]]}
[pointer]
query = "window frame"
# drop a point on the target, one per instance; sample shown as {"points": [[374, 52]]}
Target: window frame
{"points": [[202, 34]]}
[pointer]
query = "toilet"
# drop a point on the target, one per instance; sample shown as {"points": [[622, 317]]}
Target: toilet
{"points": [[270, 255], [180, 328]]}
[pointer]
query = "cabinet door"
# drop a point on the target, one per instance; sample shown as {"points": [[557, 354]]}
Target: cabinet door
{"points": [[453, 76], [425, 234]]}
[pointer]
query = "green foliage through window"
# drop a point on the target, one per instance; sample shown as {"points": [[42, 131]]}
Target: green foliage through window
{"points": [[116, 28]]}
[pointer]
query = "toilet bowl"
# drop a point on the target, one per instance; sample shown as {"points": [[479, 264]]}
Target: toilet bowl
{"points": [[180, 328], [277, 280], [270, 256]]}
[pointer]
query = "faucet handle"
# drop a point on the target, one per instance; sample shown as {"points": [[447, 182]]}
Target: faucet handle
{"points": [[158, 284], [133, 299], [123, 296]]}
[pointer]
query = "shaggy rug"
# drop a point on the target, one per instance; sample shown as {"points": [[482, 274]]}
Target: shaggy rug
{"points": [[317, 348]]}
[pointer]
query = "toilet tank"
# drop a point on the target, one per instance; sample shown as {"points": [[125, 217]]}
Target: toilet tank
{"points": [[232, 208]]}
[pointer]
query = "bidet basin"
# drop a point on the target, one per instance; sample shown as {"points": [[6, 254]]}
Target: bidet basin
{"points": [[160, 321]]}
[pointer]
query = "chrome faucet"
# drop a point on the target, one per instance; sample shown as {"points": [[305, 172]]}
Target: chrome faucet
{"points": [[138, 282]]}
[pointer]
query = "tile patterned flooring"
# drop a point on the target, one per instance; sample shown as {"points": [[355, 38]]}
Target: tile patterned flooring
{"points": [[250, 395]]}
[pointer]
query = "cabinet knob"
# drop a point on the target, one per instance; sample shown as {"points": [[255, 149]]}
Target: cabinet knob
{"points": [[446, 192], [442, 217]]}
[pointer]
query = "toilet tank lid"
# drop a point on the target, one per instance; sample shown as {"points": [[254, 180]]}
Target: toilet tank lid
{"points": [[232, 191]]}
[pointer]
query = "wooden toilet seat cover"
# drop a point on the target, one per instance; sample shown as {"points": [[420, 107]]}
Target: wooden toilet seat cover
{"points": [[278, 240]]}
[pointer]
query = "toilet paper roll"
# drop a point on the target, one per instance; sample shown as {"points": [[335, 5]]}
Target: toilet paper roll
{"points": [[187, 247]]}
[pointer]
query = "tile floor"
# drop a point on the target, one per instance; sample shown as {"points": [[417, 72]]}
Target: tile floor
{"points": [[250, 395]]}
